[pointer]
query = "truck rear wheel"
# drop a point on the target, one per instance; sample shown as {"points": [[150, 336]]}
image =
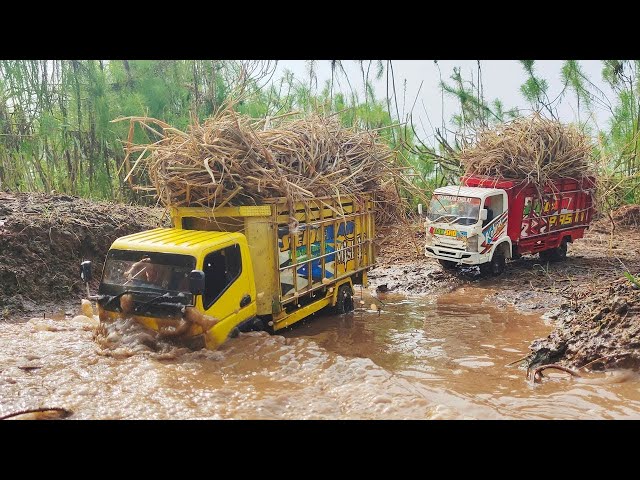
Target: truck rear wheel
{"points": [[561, 251], [495, 267], [447, 264], [344, 300], [555, 254]]}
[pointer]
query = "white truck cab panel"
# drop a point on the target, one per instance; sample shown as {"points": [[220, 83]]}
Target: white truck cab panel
{"points": [[466, 225]]}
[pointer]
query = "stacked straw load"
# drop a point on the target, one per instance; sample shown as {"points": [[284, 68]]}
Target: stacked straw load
{"points": [[235, 160], [533, 149]]}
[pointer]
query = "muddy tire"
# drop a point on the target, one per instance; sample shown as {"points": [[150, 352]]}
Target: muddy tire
{"points": [[561, 251], [545, 256], [447, 265], [495, 267], [344, 300], [254, 325], [557, 254]]}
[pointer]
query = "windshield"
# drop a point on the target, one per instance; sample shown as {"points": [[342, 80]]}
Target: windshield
{"points": [[147, 272], [454, 209]]}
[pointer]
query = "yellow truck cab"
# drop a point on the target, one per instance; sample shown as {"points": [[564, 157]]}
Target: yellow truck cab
{"points": [[220, 271]]}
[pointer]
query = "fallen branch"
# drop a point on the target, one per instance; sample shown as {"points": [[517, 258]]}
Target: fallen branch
{"points": [[537, 373], [62, 412]]}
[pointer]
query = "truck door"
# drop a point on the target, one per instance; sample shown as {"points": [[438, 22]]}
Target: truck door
{"points": [[495, 206], [229, 290]]}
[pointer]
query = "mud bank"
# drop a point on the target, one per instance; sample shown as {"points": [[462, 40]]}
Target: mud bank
{"points": [[43, 238], [401, 266], [600, 330], [596, 309]]}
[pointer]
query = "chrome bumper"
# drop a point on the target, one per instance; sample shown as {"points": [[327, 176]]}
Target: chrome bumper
{"points": [[453, 255]]}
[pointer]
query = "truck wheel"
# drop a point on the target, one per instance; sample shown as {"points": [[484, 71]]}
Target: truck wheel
{"points": [[545, 256], [555, 254], [447, 265], [252, 325], [344, 302], [495, 267], [561, 251]]}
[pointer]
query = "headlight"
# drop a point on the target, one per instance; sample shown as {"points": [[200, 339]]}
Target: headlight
{"points": [[472, 243]]}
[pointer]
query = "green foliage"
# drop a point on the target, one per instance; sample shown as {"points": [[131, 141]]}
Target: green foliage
{"points": [[573, 76], [632, 279], [56, 116], [475, 111], [620, 145], [534, 90], [56, 131]]}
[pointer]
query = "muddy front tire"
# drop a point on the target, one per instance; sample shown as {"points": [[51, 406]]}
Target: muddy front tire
{"points": [[252, 325], [447, 265], [495, 267], [344, 300]]}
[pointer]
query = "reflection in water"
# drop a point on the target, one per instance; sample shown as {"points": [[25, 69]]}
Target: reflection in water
{"points": [[417, 358], [454, 350]]}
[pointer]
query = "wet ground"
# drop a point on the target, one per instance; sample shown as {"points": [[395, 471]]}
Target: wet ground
{"points": [[432, 357], [435, 344], [593, 306]]}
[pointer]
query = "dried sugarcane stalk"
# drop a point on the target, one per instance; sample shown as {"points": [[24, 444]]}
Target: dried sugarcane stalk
{"points": [[231, 159], [533, 148]]}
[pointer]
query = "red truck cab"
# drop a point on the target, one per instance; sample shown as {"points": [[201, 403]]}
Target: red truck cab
{"points": [[486, 220]]}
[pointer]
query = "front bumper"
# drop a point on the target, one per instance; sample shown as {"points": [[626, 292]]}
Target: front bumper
{"points": [[174, 326], [461, 257]]}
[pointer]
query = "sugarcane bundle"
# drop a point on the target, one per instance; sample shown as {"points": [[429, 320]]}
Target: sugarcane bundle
{"points": [[530, 148], [232, 159]]}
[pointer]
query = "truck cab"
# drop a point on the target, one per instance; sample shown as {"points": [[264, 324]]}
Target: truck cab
{"points": [[153, 268], [467, 226], [486, 220], [238, 268]]}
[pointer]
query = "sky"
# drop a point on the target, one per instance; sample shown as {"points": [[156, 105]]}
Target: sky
{"points": [[501, 79]]}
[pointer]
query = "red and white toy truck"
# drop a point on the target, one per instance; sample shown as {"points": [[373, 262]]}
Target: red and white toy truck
{"points": [[486, 220]]}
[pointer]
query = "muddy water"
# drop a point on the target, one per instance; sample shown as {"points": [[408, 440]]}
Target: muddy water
{"points": [[419, 358], [454, 350]]}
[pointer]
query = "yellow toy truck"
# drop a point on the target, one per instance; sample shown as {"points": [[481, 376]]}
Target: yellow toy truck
{"points": [[218, 272]]}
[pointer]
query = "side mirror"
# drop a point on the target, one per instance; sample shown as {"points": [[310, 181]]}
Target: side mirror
{"points": [[196, 282], [483, 214], [420, 209], [85, 271]]}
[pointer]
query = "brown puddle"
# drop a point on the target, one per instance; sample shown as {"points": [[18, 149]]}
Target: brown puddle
{"points": [[454, 350], [420, 358]]}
